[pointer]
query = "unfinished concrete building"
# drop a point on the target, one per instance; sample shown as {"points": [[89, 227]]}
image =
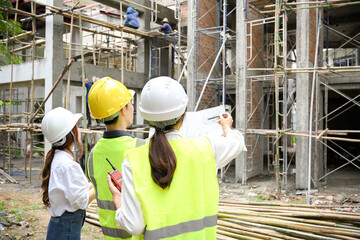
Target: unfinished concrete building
{"points": [[287, 71]]}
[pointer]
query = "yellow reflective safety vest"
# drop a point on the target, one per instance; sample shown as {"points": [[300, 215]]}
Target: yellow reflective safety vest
{"points": [[188, 208], [113, 146]]}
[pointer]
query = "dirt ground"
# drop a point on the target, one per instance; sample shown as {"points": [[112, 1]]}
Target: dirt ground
{"points": [[21, 203]]}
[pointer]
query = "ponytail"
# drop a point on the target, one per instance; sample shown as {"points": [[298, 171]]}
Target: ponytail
{"points": [[45, 174], [162, 159]]}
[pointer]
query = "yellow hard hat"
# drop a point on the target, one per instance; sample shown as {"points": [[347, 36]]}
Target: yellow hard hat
{"points": [[165, 20], [107, 97]]}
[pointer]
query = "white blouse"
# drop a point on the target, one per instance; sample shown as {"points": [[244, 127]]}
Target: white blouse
{"points": [[130, 217], [68, 186]]}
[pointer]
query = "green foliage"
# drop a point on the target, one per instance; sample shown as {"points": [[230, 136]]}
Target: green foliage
{"points": [[2, 206], [8, 28], [5, 4]]}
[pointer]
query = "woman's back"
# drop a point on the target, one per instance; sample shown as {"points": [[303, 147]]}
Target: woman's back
{"points": [[189, 205]]}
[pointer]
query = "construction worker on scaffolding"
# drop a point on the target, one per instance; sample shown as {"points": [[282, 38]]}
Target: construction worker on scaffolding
{"points": [[131, 18], [110, 101], [170, 187], [165, 28]]}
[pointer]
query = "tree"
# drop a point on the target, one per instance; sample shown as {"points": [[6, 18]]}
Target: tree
{"points": [[8, 28]]}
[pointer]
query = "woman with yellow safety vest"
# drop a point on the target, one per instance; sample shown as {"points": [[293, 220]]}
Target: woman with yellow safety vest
{"points": [[170, 188], [66, 191]]}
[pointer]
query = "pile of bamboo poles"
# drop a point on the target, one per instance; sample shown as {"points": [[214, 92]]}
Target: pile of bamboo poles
{"points": [[244, 220], [92, 213], [253, 220]]}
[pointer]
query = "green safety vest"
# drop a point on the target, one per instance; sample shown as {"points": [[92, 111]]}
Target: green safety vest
{"points": [[188, 208], [97, 170]]}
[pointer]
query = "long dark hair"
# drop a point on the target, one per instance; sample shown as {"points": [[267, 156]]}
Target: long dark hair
{"points": [[162, 157], [45, 173]]}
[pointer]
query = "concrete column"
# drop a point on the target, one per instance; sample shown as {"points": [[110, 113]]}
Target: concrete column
{"points": [[54, 55], [191, 68], [302, 96], [143, 53], [241, 64]]}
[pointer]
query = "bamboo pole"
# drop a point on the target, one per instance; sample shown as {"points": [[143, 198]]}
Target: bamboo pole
{"points": [[222, 237], [312, 7], [94, 31], [4, 133], [234, 235], [17, 37], [256, 230], [94, 54], [290, 232], [92, 221], [310, 70], [11, 90], [93, 216], [33, 10], [321, 134], [40, 42], [122, 44], [305, 3], [27, 132], [10, 111], [291, 217], [84, 89], [67, 99]]}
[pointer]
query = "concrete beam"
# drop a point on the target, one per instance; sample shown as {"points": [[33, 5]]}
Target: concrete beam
{"points": [[345, 79], [133, 80], [20, 84], [22, 74]]}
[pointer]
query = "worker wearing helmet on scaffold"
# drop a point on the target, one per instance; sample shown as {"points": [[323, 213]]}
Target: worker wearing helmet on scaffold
{"points": [[110, 101], [170, 184], [66, 191]]}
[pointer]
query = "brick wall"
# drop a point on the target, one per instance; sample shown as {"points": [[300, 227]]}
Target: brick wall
{"points": [[312, 35], [254, 95], [206, 45], [257, 40]]}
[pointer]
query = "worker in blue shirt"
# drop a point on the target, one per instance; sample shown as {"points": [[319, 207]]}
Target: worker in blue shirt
{"points": [[165, 28], [131, 19], [88, 85]]}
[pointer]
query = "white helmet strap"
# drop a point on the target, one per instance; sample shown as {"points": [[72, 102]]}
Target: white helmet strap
{"points": [[163, 124], [60, 142], [63, 140], [75, 142]]}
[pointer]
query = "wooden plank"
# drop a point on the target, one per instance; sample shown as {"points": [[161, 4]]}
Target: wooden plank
{"points": [[11, 179]]}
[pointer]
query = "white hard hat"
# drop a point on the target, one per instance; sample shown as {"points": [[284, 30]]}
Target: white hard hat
{"points": [[162, 98], [58, 123]]}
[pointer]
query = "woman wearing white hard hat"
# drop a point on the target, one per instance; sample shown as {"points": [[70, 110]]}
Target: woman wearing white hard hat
{"points": [[66, 191], [170, 188]]}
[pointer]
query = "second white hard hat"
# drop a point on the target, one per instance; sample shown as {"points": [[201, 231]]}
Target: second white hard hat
{"points": [[162, 98], [58, 123]]}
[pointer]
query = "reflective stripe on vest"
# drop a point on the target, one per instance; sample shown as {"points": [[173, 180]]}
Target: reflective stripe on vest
{"points": [[184, 227], [97, 169], [188, 208]]}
